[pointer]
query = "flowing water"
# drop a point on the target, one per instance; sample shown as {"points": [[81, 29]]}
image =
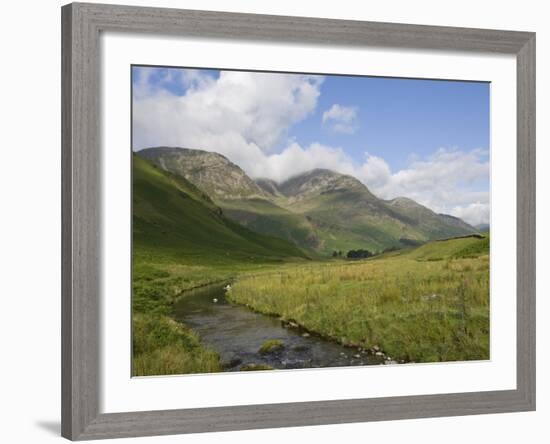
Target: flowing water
{"points": [[237, 333]]}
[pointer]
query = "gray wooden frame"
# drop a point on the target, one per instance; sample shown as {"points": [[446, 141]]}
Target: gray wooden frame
{"points": [[81, 26]]}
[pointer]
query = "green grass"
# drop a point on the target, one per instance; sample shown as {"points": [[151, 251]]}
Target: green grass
{"points": [[271, 345], [452, 248], [414, 307], [162, 346]]}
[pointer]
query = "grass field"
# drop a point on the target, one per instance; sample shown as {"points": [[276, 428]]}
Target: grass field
{"points": [[429, 304]]}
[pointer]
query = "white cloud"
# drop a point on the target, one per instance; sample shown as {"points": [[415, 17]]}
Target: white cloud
{"points": [[475, 213], [252, 110], [375, 172], [296, 159], [449, 181], [341, 119]]}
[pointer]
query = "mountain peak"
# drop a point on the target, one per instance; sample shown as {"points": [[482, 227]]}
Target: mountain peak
{"points": [[318, 172], [167, 151], [319, 181], [322, 171], [403, 202], [212, 172], [402, 199]]}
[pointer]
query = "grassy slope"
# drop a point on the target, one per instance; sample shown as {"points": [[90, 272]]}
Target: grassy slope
{"points": [[355, 219], [232, 190], [429, 224], [173, 216], [424, 305], [263, 216], [182, 240], [467, 247], [328, 222]]}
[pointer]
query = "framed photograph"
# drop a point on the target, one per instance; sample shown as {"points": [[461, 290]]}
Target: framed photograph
{"points": [[278, 221]]}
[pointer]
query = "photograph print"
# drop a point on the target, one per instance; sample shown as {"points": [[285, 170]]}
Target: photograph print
{"points": [[288, 221]]}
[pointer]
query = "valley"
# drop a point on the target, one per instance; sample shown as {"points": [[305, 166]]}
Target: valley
{"points": [[213, 247]]}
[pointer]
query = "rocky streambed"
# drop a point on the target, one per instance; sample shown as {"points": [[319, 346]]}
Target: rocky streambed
{"points": [[247, 340]]}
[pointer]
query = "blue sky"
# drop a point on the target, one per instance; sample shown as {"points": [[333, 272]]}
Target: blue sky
{"points": [[398, 118], [426, 139]]}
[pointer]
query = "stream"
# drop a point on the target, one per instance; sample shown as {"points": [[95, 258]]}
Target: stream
{"points": [[237, 333]]}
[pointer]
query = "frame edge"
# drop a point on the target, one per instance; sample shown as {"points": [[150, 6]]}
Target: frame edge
{"points": [[66, 222], [526, 221], [80, 205], [81, 420]]}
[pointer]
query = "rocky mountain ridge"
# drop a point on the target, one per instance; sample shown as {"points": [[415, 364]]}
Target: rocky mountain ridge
{"points": [[319, 210]]}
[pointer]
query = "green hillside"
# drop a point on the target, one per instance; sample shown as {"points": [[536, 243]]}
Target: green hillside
{"points": [[349, 218], [464, 247], [263, 216], [428, 223], [173, 218], [240, 198], [347, 215]]}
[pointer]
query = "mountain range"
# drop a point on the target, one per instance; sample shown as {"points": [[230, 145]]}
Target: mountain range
{"points": [[319, 211]]}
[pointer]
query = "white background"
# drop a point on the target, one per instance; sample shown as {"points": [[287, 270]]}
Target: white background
{"points": [[30, 221]]}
